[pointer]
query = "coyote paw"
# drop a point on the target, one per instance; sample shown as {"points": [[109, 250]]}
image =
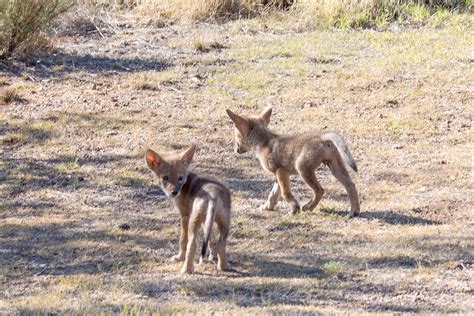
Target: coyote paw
{"points": [[210, 258], [295, 209], [353, 214], [266, 208], [307, 207], [186, 270], [177, 258], [224, 268]]}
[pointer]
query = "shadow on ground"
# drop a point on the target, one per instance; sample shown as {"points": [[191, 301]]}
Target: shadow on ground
{"points": [[53, 249], [388, 217], [56, 65]]}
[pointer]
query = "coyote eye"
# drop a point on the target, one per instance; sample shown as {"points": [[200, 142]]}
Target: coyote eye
{"points": [[180, 178], [165, 178]]}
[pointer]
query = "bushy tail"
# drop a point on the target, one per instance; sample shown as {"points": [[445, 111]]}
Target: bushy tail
{"points": [[341, 146], [211, 213]]}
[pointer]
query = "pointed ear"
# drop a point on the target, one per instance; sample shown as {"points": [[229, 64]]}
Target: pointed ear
{"points": [[187, 156], [265, 115], [241, 123], [152, 159]]}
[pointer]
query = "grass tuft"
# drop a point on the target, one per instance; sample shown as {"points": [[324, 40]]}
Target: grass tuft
{"points": [[152, 80], [333, 267], [10, 95], [13, 138], [21, 23], [68, 167]]}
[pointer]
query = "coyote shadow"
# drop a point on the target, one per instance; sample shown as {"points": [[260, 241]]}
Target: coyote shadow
{"points": [[388, 217]]}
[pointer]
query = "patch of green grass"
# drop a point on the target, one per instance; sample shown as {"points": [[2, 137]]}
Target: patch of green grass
{"points": [[373, 14], [409, 126], [248, 81], [134, 310], [416, 12], [152, 80], [68, 167], [129, 178], [333, 267], [286, 224], [267, 49]]}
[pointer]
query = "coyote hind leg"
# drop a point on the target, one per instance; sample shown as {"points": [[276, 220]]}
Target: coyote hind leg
{"points": [[310, 179], [342, 175]]}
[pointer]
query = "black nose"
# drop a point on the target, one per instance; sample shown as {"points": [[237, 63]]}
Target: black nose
{"points": [[174, 193]]}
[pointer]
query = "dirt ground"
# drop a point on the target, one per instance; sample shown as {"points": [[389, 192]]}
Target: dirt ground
{"points": [[72, 170]]}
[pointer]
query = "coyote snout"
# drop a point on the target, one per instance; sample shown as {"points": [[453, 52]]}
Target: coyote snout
{"points": [[240, 146]]}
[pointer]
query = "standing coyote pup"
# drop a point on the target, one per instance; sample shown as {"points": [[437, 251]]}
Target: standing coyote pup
{"points": [[299, 154], [199, 200]]}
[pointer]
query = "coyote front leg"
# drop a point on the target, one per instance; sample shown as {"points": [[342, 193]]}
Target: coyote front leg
{"points": [[273, 197], [283, 180], [193, 228], [183, 239]]}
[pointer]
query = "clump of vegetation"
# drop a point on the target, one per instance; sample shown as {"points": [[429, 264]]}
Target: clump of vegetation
{"points": [[333, 267], [307, 13], [22, 21], [339, 13], [13, 138], [374, 13], [199, 45], [199, 10], [68, 166], [10, 95], [152, 80]]}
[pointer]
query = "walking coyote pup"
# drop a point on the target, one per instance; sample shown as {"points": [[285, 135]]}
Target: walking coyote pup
{"points": [[300, 154]]}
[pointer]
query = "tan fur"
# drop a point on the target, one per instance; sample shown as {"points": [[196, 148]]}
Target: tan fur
{"points": [[200, 200], [290, 155]]}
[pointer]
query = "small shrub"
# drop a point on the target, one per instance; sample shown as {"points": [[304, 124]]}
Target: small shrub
{"points": [[22, 21], [10, 95]]}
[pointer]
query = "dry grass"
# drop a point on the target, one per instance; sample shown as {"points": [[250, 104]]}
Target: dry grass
{"points": [[308, 14], [72, 171], [153, 80], [9, 95], [21, 23], [370, 13], [207, 9]]}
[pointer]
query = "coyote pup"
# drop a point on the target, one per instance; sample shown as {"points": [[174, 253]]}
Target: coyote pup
{"points": [[199, 200], [299, 154]]}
